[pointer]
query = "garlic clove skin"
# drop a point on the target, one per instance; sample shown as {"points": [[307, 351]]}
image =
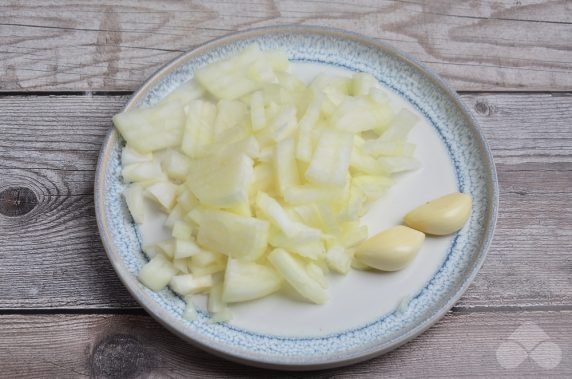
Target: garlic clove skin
{"points": [[442, 216], [391, 249]]}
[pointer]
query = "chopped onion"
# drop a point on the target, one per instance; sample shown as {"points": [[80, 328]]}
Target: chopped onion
{"points": [[263, 178]]}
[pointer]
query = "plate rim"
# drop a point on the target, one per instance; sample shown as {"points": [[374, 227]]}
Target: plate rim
{"points": [[172, 324]]}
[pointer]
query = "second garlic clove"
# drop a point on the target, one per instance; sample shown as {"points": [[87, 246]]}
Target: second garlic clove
{"points": [[442, 216], [391, 249]]}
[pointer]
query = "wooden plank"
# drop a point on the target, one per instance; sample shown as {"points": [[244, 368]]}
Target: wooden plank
{"points": [[129, 346], [524, 127], [50, 146], [492, 45], [520, 128], [528, 264]]}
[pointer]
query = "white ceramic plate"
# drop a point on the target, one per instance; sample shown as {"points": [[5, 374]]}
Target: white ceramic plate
{"points": [[368, 313]]}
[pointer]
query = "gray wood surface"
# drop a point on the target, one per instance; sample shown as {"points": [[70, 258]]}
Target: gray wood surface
{"points": [[106, 45], [67, 67], [128, 346]]}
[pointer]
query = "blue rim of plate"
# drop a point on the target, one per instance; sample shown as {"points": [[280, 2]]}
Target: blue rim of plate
{"points": [[299, 362]]}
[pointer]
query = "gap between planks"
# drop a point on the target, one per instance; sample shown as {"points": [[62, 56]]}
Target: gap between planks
{"points": [[129, 93], [140, 311]]}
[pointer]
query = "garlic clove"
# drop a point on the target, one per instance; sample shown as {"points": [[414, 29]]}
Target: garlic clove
{"points": [[391, 249], [442, 216]]}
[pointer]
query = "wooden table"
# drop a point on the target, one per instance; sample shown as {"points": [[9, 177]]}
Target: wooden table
{"points": [[67, 67]]}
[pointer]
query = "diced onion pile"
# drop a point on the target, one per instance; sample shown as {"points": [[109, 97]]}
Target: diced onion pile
{"points": [[264, 178]]}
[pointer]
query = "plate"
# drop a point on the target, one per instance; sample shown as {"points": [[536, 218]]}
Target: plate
{"points": [[368, 313]]}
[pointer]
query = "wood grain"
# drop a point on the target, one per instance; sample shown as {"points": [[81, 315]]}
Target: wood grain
{"points": [[51, 257], [129, 346], [519, 45]]}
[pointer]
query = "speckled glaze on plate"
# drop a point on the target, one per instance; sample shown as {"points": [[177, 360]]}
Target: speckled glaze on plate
{"points": [[275, 344]]}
